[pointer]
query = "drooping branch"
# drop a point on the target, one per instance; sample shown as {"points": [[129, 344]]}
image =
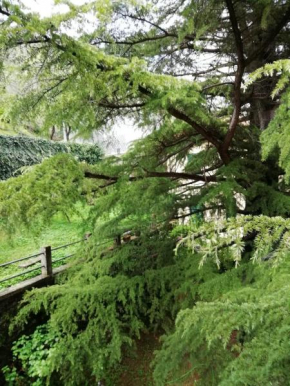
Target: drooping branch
{"points": [[185, 44], [145, 39], [173, 154], [144, 20], [172, 110], [47, 91], [217, 85]]}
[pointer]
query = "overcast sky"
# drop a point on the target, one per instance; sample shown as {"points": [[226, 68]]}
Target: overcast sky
{"points": [[47, 7], [124, 132], [44, 8]]}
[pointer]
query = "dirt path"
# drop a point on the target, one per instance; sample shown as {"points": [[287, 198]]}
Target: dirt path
{"points": [[135, 369]]}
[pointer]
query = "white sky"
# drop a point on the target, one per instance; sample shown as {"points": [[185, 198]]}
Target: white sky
{"points": [[125, 132], [43, 7]]}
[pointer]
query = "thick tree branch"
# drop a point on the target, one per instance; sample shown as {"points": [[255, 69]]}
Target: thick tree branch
{"points": [[116, 106], [3, 12], [204, 133], [154, 174], [237, 85], [236, 31], [100, 176], [185, 118], [45, 39]]}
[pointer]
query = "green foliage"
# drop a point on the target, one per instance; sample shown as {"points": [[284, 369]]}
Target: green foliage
{"points": [[281, 67], [226, 316], [235, 334], [275, 138], [221, 299], [31, 353], [30, 200], [18, 152], [105, 309], [23, 243]]}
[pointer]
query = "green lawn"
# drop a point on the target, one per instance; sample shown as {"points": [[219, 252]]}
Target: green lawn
{"points": [[8, 131], [60, 232]]}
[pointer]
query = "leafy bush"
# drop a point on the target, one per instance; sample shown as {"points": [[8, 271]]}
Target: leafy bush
{"points": [[30, 354]]}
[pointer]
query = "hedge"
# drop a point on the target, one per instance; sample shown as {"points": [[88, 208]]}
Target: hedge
{"points": [[19, 151]]}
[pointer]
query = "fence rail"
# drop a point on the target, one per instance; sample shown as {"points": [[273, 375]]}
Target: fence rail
{"points": [[45, 259], [19, 274], [21, 259], [68, 245], [63, 258]]}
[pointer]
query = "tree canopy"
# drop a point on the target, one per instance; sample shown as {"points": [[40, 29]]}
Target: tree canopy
{"points": [[207, 81]]}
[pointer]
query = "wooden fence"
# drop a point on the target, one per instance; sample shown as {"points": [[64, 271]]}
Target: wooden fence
{"points": [[45, 258]]}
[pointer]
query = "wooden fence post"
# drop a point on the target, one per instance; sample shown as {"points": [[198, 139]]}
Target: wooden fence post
{"points": [[46, 262]]}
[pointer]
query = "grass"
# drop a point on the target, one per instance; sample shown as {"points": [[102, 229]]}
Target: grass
{"points": [[60, 232], [11, 132]]}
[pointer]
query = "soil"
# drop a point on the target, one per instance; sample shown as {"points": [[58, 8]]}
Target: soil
{"points": [[135, 368]]}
